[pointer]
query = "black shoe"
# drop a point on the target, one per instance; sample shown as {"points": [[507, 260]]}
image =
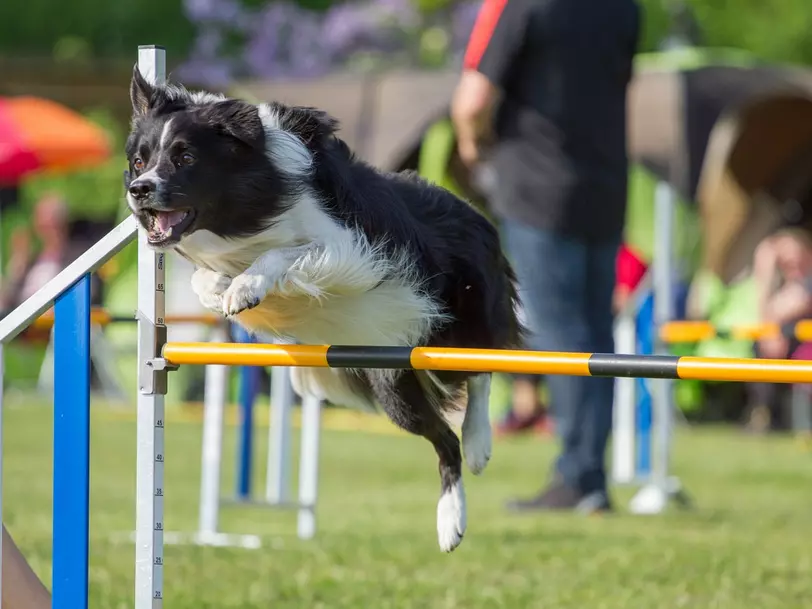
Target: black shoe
{"points": [[560, 496]]}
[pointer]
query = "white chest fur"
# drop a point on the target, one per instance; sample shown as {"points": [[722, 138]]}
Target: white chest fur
{"points": [[343, 290]]}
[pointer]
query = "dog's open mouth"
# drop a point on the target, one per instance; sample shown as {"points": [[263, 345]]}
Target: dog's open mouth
{"points": [[164, 227]]}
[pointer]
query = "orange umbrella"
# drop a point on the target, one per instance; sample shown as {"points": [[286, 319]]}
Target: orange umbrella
{"points": [[40, 134]]}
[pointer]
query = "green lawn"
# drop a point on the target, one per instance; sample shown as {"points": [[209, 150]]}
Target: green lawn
{"points": [[746, 545]]}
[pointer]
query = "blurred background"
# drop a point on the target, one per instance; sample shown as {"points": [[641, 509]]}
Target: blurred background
{"points": [[387, 70], [720, 108]]}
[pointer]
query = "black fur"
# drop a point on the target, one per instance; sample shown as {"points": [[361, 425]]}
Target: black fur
{"points": [[454, 247]]}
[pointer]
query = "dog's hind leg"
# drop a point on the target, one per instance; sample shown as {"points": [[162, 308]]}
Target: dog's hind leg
{"points": [[476, 426], [406, 404]]}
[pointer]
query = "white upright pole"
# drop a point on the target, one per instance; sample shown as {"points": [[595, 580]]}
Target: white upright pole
{"points": [[623, 424], [654, 497], [149, 543], [277, 482], [212, 453], [309, 467], [662, 398]]}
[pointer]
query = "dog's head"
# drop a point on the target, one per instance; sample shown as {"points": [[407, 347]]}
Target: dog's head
{"points": [[199, 161]]}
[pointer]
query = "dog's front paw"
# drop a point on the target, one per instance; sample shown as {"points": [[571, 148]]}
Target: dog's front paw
{"points": [[245, 292], [451, 517], [210, 287]]}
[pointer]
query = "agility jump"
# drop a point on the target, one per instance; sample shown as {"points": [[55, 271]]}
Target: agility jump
{"points": [[71, 294]]}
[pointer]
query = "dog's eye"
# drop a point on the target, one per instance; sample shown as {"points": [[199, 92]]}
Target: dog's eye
{"points": [[187, 159], [138, 163]]}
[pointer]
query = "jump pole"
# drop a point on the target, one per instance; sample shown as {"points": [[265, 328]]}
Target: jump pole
{"points": [[654, 496], [249, 377], [277, 478], [152, 382], [721, 369]]}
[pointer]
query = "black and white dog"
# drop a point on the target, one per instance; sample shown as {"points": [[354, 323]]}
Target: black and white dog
{"points": [[291, 234]]}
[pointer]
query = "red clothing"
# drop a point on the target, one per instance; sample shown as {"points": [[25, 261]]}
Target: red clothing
{"points": [[630, 268]]}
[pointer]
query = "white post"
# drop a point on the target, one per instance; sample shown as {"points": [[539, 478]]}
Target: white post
{"points": [[663, 273], [212, 452], [623, 425], [277, 481], [149, 543], [654, 497], [309, 467]]}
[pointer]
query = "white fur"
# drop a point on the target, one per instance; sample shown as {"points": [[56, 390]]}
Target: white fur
{"points": [[166, 134], [451, 517], [476, 426], [286, 151], [328, 384], [175, 92]]}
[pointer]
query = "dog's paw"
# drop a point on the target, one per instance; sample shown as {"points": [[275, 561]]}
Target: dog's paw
{"points": [[451, 517], [210, 287], [245, 292], [476, 446], [476, 427]]}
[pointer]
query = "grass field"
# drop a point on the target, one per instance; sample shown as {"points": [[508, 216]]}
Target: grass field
{"points": [[745, 545]]}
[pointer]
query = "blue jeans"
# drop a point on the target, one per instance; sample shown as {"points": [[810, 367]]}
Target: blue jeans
{"points": [[566, 289]]}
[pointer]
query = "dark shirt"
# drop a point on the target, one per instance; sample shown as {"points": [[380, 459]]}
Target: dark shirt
{"points": [[564, 68]]}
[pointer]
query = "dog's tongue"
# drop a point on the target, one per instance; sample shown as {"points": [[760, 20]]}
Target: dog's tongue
{"points": [[168, 219]]}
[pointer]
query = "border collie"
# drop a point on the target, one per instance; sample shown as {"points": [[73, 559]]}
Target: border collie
{"points": [[292, 235]]}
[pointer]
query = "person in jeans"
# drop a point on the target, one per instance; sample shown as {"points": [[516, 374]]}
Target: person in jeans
{"points": [[543, 90]]}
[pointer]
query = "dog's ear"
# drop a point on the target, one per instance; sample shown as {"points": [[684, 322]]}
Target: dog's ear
{"points": [[311, 125], [146, 97], [236, 119], [141, 93]]}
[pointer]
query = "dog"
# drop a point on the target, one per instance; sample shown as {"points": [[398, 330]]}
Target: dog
{"points": [[291, 234]]}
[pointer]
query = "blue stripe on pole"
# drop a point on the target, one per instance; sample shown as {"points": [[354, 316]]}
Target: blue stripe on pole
{"points": [[71, 447], [249, 377], [644, 406]]}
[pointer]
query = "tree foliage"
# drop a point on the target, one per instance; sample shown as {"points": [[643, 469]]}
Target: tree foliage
{"points": [[229, 38]]}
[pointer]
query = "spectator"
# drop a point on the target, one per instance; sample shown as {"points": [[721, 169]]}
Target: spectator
{"points": [[782, 270], [27, 275], [544, 87]]}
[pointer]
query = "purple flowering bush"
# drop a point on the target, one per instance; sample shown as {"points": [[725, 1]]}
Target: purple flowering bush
{"points": [[283, 39]]}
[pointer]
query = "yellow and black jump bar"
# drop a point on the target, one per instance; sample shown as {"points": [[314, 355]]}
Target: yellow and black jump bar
{"points": [[492, 360], [697, 331]]}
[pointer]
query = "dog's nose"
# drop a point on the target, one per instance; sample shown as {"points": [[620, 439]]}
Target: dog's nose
{"points": [[141, 189]]}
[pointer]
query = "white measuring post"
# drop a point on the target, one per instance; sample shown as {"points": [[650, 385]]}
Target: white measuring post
{"points": [[309, 467], [149, 526], [277, 481], [212, 452]]}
